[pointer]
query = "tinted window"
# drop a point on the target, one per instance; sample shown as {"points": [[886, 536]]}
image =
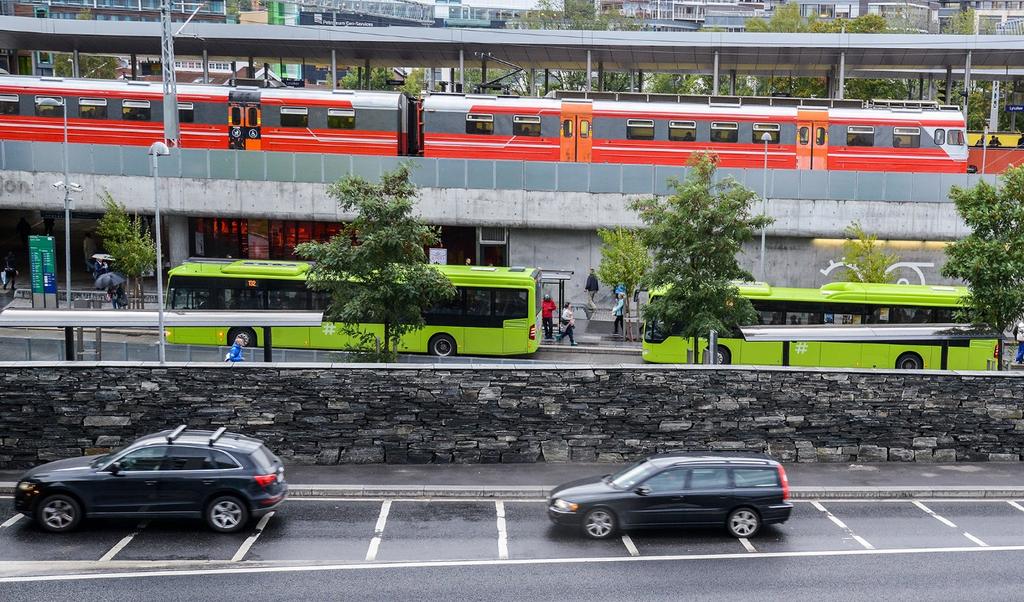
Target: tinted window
{"points": [[906, 137], [477, 123], [640, 129], [511, 303], [235, 116], [708, 478], [667, 481], [755, 477], [629, 477], [526, 125], [192, 298], [147, 458], [264, 459], [341, 119], [449, 307], [48, 111], [760, 129], [940, 136], [478, 301], [243, 299], [187, 458], [804, 135], [567, 128], [286, 299], [186, 112], [956, 137], [92, 108], [136, 110], [221, 460], [860, 136], [724, 132], [9, 104], [682, 131], [294, 117]]}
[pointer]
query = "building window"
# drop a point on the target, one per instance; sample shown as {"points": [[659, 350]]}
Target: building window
{"points": [[186, 112], [640, 129], [906, 137], [9, 104], [341, 119], [294, 117], [43, 110], [724, 132], [860, 135], [136, 110], [526, 125], [682, 131], [478, 123], [772, 129]]}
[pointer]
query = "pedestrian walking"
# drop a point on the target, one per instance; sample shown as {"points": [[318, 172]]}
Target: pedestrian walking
{"points": [[10, 271], [547, 315], [568, 324], [24, 230], [88, 250], [617, 311], [1018, 333], [235, 354], [591, 289]]}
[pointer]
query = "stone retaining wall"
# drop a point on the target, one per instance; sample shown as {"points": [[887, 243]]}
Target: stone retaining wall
{"points": [[409, 413]]}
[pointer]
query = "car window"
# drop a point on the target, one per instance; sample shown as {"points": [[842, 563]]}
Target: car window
{"points": [[634, 474], [755, 477], [222, 460], [147, 458], [667, 481], [708, 478], [263, 458], [187, 458]]}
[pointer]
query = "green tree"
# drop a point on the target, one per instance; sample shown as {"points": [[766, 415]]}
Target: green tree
{"points": [[378, 79], [695, 235], [624, 260], [89, 66], [377, 272], [785, 19], [991, 258], [128, 240], [961, 23], [864, 257]]}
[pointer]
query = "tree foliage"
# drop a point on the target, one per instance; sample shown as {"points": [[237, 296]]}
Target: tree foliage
{"points": [[991, 258], [695, 235], [377, 272], [89, 66], [865, 259], [624, 260], [128, 240]]}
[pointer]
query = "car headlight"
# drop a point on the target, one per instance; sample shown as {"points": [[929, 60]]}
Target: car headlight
{"points": [[567, 506], [27, 487]]}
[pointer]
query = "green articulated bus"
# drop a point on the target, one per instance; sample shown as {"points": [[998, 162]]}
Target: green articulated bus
{"points": [[495, 312], [840, 303]]}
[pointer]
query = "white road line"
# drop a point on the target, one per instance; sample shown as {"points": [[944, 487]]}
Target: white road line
{"points": [[12, 520], [842, 525], [1016, 505], [975, 539], [244, 548], [127, 539], [499, 510], [749, 546], [941, 519], [362, 566], [378, 531], [630, 546]]}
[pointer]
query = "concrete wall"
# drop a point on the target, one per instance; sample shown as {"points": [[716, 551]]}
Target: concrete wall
{"points": [[470, 414]]}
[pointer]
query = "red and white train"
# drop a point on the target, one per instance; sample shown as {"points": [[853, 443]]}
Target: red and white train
{"points": [[902, 136]]}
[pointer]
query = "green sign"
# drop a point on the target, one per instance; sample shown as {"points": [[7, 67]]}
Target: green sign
{"points": [[43, 265]]}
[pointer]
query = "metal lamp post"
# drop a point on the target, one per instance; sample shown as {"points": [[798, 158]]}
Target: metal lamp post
{"points": [[766, 138], [68, 186], [156, 150]]}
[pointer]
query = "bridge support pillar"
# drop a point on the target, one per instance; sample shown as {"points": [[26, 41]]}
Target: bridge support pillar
{"points": [[206, 67], [590, 72], [366, 70], [732, 82], [135, 66], [949, 85], [547, 75], [639, 80], [334, 69], [462, 72], [177, 238], [967, 83], [841, 79], [531, 84], [600, 76], [250, 71], [714, 77], [75, 65]]}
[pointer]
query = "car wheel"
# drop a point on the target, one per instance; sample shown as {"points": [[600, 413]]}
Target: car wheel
{"points": [[441, 345], [58, 513], [909, 361], [248, 336], [599, 523], [743, 522], [226, 514]]}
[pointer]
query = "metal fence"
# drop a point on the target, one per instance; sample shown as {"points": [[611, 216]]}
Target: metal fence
{"points": [[474, 174]]}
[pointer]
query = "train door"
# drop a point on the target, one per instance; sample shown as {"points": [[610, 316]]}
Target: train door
{"points": [[245, 116], [576, 131], [812, 140]]}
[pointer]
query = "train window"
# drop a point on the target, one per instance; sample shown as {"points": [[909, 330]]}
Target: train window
{"points": [[186, 112], [8, 104], [584, 128], [724, 132], [682, 131], [92, 108], [525, 125], [760, 129], [940, 136], [478, 123], [252, 117], [906, 137], [640, 129], [860, 135], [567, 128], [819, 136], [47, 110], [294, 117], [136, 110], [235, 116], [341, 119], [955, 137], [805, 135]]}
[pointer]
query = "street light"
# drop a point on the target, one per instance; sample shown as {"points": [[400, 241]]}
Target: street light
{"points": [[158, 149], [766, 138], [68, 186]]}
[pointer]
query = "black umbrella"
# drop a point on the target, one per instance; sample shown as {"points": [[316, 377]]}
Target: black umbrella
{"points": [[109, 280]]}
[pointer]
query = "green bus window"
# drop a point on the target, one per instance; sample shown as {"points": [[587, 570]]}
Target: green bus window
{"points": [[769, 317], [238, 298], [511, 303], [448, 307], [191, 298], [319, 301], [796, 318], [478, 302], [287, 299]]}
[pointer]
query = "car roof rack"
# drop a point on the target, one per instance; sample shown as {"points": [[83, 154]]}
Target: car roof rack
{"points": [[176, 433], [216, 435]]}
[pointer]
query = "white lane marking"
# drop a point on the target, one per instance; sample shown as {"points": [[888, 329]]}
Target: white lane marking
{"points": [[1016, 505], [511, 562], [244, 548], [378, 531], [842, 525], [127, 539], [630, 546], [975, 539], [499, 510], [12, 520], [941, 519], [418, 499], [749, 546]]}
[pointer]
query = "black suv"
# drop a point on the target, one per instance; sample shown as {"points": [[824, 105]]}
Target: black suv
{"points": [[739, 492], [222, 477]]}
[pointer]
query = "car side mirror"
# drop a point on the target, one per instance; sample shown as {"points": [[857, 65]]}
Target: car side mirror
{"points": [[115, 468], [642, 490]]}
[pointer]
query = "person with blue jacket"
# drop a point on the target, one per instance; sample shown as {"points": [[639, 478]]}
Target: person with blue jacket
{"points": [[235, 354], [617, 311]]}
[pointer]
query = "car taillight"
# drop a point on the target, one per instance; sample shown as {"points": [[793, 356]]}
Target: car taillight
{"points": [[785, 483], [533, 332], [265, 479]]}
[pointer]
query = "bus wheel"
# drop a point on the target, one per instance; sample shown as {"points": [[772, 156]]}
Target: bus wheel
{"points": [[441, 345], [724, 356], [909, 361], [248, 336]]}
